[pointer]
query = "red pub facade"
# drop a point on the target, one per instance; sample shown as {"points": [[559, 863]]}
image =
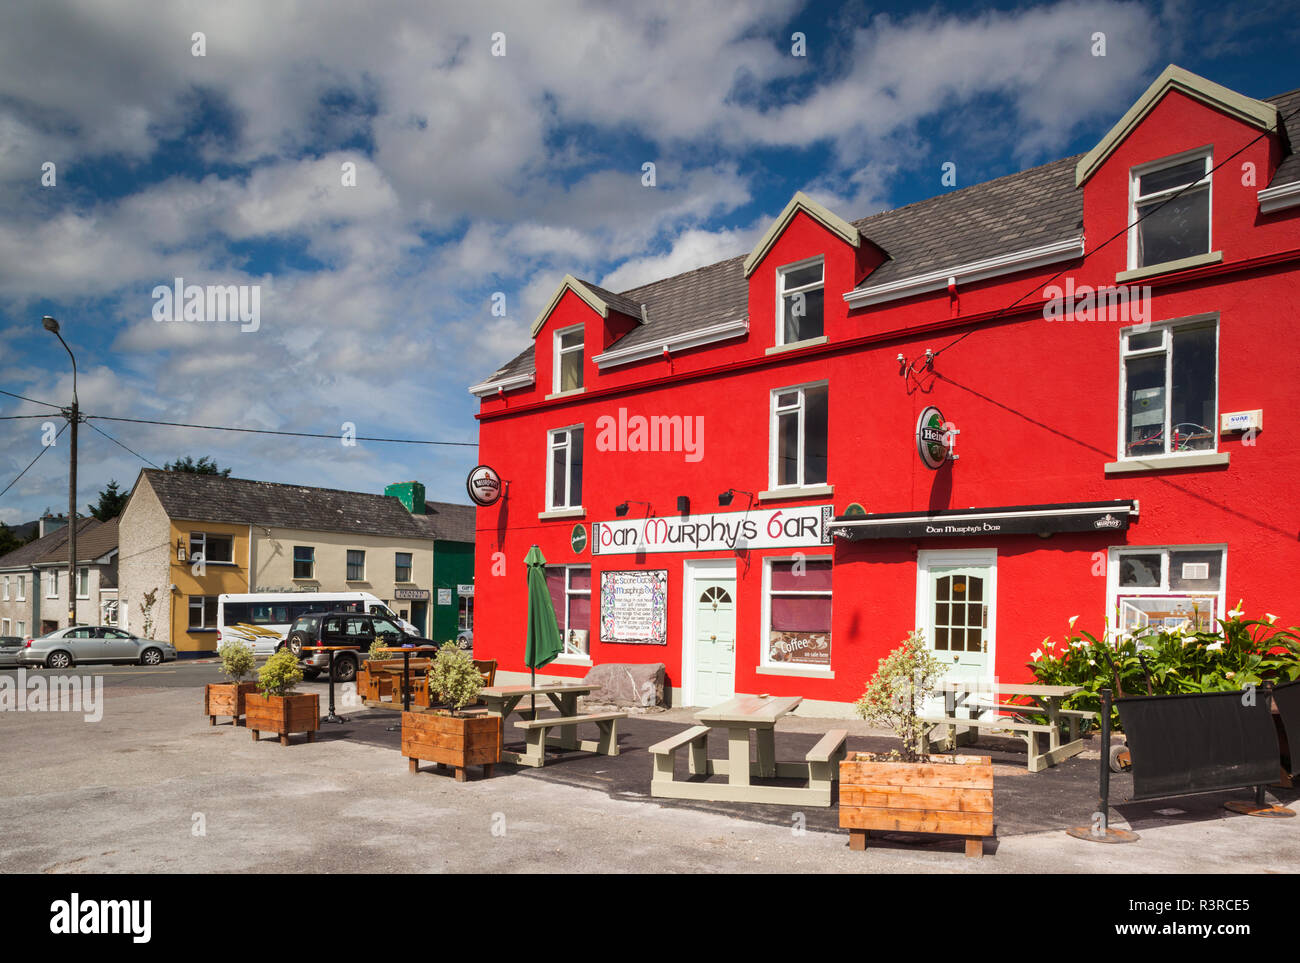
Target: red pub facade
{"points": [[979, 415]]}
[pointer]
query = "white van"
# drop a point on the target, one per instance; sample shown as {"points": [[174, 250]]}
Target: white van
{"points": [[264, 619]]}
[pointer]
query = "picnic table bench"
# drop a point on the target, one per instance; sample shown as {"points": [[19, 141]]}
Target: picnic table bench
{"points": [[536, 730], [958, 730]]}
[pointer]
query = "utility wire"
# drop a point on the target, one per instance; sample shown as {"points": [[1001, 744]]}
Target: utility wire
{"points": [[120, 445], [291, 434], [16, 417], [1123, 231], [44, 449], [32, 400]]}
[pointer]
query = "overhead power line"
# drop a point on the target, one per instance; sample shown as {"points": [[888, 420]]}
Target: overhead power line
{"points": [[32, 400], [44, 449], [290, 434], [120, 445]]}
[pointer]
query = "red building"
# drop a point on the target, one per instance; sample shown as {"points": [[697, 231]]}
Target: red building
{"points": [[981, 414]]}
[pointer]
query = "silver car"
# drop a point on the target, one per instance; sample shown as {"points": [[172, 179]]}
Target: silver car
{"points": [[93, 643]]}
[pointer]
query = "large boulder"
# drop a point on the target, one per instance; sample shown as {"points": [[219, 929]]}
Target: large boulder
{"points": [[627, 685]]}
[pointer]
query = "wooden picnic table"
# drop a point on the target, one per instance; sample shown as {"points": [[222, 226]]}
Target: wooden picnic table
{"points": [[740, 716], [502, 700], [405, 652], [998, 697]]}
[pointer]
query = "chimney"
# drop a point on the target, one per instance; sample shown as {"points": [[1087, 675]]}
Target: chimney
{"points": [[411, 495], [52, 523]]}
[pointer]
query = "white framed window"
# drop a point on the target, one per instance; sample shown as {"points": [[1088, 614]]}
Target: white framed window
{"points": [[22, 588], [564, 468], [797, 612], [6, 583], [1169, 377], [20, 628], [216, 548], [4, 626], [798, 436], [203, 613], [570, 588], [568, 359], [800, 301], [1162, 588], [1179, 228], [108, 612], [83, 583], [356, 565], [52, 584]]}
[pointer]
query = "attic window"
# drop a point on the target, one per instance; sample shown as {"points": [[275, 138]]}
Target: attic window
{"points": [[801, 291], [1172, 227], [568, 359]]}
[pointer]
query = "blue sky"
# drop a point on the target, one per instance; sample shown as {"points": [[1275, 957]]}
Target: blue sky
{"points": [[475, 174]]}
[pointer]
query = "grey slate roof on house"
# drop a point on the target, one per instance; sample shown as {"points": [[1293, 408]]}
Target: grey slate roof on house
{"points": [[95, 539], [1011, 213], [213, 498], [449, 523], [619, 302]]}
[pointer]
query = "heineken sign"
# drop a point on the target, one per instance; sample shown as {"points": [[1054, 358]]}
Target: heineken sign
{"points": [[932, 437], [578, 538], [483, 485]]}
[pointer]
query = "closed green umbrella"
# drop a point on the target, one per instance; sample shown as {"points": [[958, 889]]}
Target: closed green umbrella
{"points": [[544, 642]]}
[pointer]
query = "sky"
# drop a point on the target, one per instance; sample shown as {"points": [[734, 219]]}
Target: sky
{"points": [[381, 174]]}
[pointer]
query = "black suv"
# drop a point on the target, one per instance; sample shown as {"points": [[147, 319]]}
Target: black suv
{"points": [[357, 630]]}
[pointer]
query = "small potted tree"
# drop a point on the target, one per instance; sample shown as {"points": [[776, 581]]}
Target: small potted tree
{"points": [[906, 790], [227, 698], [449, 737], [276, 707]]}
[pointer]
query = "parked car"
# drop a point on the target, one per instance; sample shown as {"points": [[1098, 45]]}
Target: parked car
{"points": [[10, 646], [93, 643], [357, 630]]}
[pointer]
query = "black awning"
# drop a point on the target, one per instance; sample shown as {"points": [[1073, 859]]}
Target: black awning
{"points": [[1007, 520]]}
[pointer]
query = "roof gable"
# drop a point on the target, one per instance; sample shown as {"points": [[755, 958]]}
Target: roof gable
{"points": [[1246, 109], [801, 202], [597, 298]]}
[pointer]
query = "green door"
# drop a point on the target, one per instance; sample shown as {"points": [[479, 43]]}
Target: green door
{"points": [[959, 630], [715, 642]]}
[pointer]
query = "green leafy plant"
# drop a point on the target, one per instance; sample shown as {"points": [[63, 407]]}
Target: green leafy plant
{"points": [[453, 675], [374, 655], [1239, 653], [280, 674], [904, 682], [236, 659]]}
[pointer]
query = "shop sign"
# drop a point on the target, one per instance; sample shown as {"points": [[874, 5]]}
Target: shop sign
{"points": [[483, 485], [578, 538], [444, 596], [716, 531], [465, 591], [412, 595], [800, 648], [634, 607], [932, 437]]}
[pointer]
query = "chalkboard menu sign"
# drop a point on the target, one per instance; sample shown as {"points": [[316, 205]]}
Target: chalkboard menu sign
{"points": [[634, 607]]}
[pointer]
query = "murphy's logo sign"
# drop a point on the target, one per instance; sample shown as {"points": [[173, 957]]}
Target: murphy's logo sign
{"points": [[725, 531]]}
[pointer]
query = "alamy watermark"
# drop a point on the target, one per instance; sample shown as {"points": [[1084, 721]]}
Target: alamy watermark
{"points": [[1123, 304], [210, 304], [684, 433], [53, 693]]}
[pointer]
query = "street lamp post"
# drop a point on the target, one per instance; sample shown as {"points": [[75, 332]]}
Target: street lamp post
{"points": [[74, 416]]}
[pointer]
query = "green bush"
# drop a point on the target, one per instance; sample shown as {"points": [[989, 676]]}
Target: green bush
{"points": [[280, 674], [453, 675], [236, 659], [896, 695], [1241, 652], [374, 655]]}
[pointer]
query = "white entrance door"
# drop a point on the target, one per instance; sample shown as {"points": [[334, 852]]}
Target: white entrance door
{"points": [[957, 592], [714, 645]]}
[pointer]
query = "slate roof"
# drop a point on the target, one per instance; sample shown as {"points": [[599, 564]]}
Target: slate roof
{"points": [[95, 539], [213, 498], [1011, 213], [619, 302]]}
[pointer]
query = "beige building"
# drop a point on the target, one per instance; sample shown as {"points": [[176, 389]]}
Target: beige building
{"points": [[34, 580]]}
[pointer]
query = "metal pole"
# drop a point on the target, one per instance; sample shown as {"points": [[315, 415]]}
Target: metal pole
{"points": [[72, 515], [1103, 804]]}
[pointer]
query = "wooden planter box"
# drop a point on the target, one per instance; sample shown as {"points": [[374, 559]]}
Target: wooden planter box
{"points": [[226, 699], [947, 794], [456, 741], [282, 715]]}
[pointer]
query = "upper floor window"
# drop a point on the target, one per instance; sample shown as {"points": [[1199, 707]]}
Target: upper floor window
{"points": [[304, 561], [6, 595], [1169, 390], [213, 547], [22, 588], [403, 573], [568, 359], [356, 565], [801, 289], [799, 428], [1171, 227], [83, 583], [564, 468]]}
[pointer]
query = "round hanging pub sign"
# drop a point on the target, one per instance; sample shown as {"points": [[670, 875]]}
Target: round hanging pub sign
{"points": [[484, 486], [578, 538], [931, 438]]}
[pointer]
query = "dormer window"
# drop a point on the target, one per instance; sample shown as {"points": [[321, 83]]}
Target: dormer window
{"points": [[568, 359], [800, 290], [1181, 227]]}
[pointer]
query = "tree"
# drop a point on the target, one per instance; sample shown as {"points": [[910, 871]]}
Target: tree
{"points": [[204, 466], [111, 503], [9, 540]]}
